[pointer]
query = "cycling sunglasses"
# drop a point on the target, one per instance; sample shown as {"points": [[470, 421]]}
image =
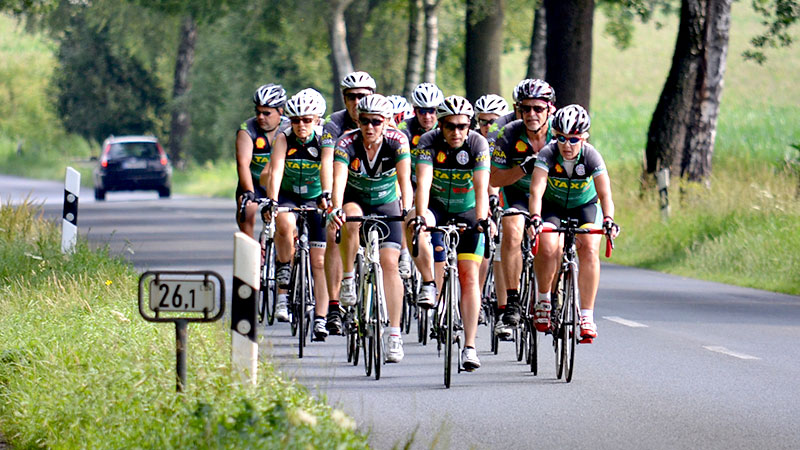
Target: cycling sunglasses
{"points": [[297, 120], [450, 126], [422, 111], [264, 113], [485, 122], [354, 96], [573, 140], [375, 122], [538, 109]]}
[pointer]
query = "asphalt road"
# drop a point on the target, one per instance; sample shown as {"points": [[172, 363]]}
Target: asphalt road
{"points": [[678, 363]]}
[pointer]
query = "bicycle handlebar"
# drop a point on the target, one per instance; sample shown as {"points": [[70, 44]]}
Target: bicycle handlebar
{"points": [[367, 218], [609, 241]]}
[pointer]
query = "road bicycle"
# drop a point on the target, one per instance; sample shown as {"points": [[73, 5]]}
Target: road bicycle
{"points": [[565, 314], [268, 284], [489, 288], [371, 315]]}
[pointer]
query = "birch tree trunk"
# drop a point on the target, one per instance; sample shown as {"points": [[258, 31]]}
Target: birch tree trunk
{"points": [[416, 22], [431, 40], [340, 55], [536, 59]]}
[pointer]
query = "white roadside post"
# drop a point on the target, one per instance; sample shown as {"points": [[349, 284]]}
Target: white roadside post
{"points": [[662, 178], [244, 347], [69, 223]]}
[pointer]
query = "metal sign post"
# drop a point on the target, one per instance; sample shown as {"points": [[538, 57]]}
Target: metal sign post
{"points": [[181, 297]]}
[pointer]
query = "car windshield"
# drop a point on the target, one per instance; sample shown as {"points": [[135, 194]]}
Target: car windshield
{"points": [[143, 150]]}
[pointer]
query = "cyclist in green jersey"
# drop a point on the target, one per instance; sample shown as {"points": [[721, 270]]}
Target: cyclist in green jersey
{"points": [[490, 108], [452, 184], [294, 182], [570, 181], [369, 165], [253, 145], [513, 156], [355, 86]]}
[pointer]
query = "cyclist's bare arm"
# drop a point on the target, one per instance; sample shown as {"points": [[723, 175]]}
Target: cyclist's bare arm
{"points": [[404, 179], [326, 169], [272, 175], [481, 181], [244, 153], [424, 180], [602, 185], [538, 185], [504, 177]]}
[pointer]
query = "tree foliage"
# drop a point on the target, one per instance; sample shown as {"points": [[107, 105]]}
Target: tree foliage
{"points": [[778, 17]]}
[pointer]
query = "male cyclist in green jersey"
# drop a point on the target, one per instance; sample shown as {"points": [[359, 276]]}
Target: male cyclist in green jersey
{"points": [[253, 145], [294, 182], [355, 86], [369, 165], [452, 184], [488, 109], [570, 181], [513, 156]]}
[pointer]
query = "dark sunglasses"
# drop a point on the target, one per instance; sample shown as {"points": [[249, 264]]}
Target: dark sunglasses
{"points": [[450, 126], [353, 97], [535, 108], [375, 122], [426, 110], [484, 122], [265, 113], [297, 120], [573, 140]]}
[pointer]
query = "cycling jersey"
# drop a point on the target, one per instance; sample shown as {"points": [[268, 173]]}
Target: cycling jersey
{"points": [[452, 187], [511, 147], [301, 169], [413, 131], [500, 122], [571, 183], [335, 126], [374, 183], [261, 145]]}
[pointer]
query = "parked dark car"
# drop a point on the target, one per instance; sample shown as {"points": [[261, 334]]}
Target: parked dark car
{"points": [[130, 163]]}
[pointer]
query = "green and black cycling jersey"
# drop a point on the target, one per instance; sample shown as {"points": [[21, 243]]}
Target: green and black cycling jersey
{"points": [[498, 124], [335, 126], [452, 187], [301, 168], [570, 183], [372, 182], [510, 148], [413, 131], [262, 147]]}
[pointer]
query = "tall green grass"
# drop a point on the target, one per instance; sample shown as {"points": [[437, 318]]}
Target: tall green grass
{"points": [[79, 368]]}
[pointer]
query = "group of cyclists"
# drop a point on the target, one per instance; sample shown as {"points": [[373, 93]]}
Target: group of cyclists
{"points": [[427, 162]]}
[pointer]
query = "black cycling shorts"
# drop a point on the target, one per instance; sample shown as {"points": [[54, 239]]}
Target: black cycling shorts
{"points": [[515, 198], [391, 233], [588, 214], [316, 220], [470, 244]]}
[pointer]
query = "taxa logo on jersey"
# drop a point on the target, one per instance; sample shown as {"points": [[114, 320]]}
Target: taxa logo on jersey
{"points": [[261, 143]]}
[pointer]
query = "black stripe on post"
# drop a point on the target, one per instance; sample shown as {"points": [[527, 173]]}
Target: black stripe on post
{"points": [[70, 207], [243, 309]]}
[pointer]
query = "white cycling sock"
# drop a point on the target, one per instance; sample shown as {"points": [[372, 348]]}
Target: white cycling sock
{"points": [[588, 314], [544, 297], [394, 331], [349, 275], [283, 298], [404, 252]]}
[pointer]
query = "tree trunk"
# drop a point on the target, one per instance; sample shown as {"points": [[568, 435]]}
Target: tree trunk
{"points": [[569, 50], [682, 131], [181, 119], [484, 45], [416, 22], [537, 60], [431, 40], [340, 55]]}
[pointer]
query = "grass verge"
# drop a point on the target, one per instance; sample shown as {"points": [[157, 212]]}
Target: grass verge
{"points": [[79, 368]]}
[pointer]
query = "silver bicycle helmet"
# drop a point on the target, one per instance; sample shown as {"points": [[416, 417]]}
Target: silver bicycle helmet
{"points": [[572, 119], [535, 89], [427, 95], [358, 80], [454, 105], [271, 95], [491, 104], [375, 104], [305, 103]]}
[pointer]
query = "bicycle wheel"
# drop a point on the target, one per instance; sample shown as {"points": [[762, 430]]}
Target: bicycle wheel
{"points": [[351, 330], [422, 326], [367, 342], [558, 324], [269, 288], [300, 304], [448, 331], [570, 322], [533, 337], [376, 325], [293, 293]]}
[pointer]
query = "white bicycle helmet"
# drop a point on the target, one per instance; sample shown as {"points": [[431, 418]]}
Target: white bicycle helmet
{"points": [[491, 104], [455, 105], [305, 103], [375, 104], [572, 119], [534, 89], [271, 95], [427, 95], [356, 80], [399, 104]]}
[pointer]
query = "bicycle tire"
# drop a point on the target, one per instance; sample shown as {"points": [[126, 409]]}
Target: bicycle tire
{"points": [[300, 303], [533, 349], [367, 341], [448, 338], [376, 325], [559, 326], [292, 297], [269, 282], [422, 326], [571, 321]]}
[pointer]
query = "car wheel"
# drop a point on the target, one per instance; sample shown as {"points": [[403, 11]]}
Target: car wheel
{"points": [[99, 194], [164, 192]]}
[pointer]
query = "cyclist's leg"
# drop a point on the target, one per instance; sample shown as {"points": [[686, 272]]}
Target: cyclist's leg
{"points": [[350, 238], [333, 278], [470, 253], [588, 247], [316, 231], [424, 258]]}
